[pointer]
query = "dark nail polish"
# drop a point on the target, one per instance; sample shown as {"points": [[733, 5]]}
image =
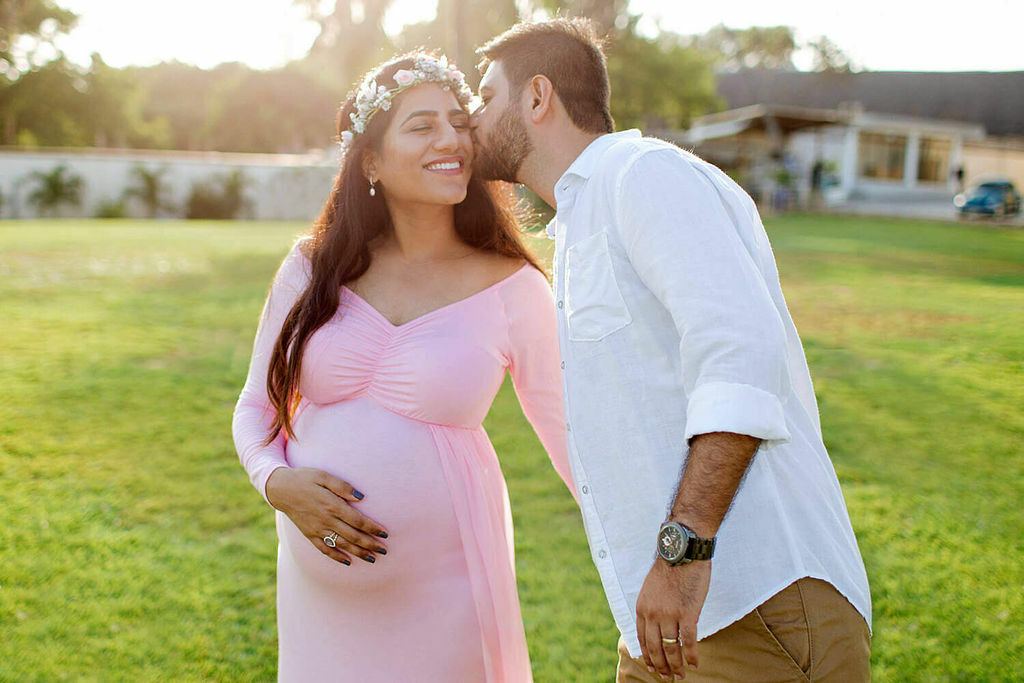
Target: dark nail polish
{"points": [[383, 534], [382, 551], [346, 563], [357, 494], [370, 559]]}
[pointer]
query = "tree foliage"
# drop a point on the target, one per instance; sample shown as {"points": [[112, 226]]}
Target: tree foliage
{"points": [[149, 189], [351, 38], [610, 16], [458, 29], [27, 31], [658, 83], [757, 47], [54, 189], [222, 198], [828, 57]]}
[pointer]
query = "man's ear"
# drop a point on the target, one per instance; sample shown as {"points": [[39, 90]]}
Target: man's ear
{"points": [[541, 96]]}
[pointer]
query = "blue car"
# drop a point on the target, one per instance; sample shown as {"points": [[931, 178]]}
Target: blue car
{"points": [[991, 198]]}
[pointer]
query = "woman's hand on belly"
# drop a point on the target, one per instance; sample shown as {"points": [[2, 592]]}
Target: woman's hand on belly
{"points": [[321, 506]]}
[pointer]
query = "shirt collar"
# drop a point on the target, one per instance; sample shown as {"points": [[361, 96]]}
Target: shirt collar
{"points": [[582, 168], [584, 165]]}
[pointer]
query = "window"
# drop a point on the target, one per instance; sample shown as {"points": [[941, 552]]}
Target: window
{"points": [[933, 164], [881, 156]]}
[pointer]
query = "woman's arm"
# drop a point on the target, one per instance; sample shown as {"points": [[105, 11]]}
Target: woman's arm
{"points": [[318, 503], [534, 364], [254, 416]]}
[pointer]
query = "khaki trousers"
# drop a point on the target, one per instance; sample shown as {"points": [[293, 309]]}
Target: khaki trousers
{"points": [[806, 632]]}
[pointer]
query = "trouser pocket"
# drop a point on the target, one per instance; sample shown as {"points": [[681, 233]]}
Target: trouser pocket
{"points": [[785, 621]]}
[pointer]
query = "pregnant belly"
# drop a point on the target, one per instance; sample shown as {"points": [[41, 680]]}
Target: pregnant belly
{"points": [[393, 461]]}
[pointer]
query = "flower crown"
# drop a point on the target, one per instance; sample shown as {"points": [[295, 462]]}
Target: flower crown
{"points": [[371, 98]]}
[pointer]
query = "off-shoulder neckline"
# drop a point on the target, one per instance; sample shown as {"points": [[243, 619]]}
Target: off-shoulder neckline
{"points": [[366, 304]]}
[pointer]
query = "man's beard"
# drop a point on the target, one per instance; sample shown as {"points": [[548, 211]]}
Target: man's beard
{"points": [[507, 147]]}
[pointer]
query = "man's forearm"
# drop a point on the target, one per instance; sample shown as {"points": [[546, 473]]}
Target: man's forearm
{"points": [[713, 472]]}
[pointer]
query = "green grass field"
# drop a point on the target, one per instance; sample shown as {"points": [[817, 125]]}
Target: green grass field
{"points": [[132, 546]]}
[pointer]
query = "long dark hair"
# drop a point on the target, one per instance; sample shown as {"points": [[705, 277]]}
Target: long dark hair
{"points": [[338, 245]]}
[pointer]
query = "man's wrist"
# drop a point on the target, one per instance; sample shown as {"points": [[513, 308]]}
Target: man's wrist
{"points": [[699, 527], [678, 544]]}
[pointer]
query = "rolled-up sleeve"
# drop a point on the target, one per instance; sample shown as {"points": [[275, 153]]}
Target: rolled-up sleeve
{"points": [[689, 237]]}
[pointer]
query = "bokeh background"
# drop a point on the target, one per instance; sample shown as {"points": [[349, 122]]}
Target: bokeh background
{"points": [[158, 159]]}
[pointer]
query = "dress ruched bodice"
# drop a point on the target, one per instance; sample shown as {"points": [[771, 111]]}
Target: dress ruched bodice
{"points": [[444, 367], [397, 411]]}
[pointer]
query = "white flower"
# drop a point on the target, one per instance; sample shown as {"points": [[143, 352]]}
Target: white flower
{"points": [[404, 77], [372, 98]]}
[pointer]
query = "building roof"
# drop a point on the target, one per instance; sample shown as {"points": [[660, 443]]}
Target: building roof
{"points": [[994, 100], [777, 119]]}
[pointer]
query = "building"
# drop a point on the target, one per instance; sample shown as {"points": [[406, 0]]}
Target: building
{"points": [[897, 139]]}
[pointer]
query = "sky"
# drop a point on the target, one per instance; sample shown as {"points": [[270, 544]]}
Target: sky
{"points": [[881, 35]]}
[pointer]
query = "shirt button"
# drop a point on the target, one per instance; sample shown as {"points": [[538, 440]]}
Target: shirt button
{"points": [[585, 489], [560, 304], [563, 365], [568, 427], [602, 554]]}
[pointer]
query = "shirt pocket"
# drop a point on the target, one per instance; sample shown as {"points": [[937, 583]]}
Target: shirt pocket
{"points": [[595, 307]]}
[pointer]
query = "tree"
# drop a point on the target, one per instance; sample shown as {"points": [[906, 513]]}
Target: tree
{"points": [[149, 189], [610, 16], [458, 29], [757, 47], [27, 31], [223, 199], [351, 38], [827, 56], [111, 112], [658, 84], [54, 189]]}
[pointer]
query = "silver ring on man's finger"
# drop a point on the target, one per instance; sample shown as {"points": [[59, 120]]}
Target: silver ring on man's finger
{"points": [[331, 541], [670, 641]]}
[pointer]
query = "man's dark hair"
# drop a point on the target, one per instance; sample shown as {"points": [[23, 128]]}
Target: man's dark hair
{"points": [[569, 53]]}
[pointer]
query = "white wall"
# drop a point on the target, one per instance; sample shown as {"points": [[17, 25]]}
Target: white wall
{"points": [[277, 187]]}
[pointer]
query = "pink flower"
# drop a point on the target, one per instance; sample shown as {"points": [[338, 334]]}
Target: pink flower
{"points": [[404, 77]]}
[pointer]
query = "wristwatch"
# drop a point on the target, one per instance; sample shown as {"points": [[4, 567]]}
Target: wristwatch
{"points": [[679, 545]]}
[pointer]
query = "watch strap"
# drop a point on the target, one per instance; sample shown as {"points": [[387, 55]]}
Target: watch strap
{"points": [[700, 549]]}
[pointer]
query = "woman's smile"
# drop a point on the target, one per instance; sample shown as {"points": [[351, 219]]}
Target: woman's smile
{"points": [[447, 166]]}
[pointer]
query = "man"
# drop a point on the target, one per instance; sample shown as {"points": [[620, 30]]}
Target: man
{"points": [[679, 358]]}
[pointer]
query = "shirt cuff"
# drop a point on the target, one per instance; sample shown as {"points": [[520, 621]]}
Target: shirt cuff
{"points": [[737, 409]]}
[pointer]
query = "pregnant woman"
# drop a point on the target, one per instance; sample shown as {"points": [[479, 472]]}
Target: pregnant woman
{"points": [[386, 336]]}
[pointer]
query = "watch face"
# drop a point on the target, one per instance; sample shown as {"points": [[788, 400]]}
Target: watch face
{"points": [[671, 543]]}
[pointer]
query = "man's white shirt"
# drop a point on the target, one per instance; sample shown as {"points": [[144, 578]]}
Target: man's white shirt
{"points": [[671, 324]]}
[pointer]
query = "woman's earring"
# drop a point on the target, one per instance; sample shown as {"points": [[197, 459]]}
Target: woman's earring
{"points": [[373, 191]]}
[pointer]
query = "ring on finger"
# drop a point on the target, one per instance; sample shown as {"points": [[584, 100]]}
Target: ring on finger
{"points": [[331, 541], [670, 641]]}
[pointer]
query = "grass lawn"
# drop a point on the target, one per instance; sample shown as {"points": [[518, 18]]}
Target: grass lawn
{"points": [[132, 546]]}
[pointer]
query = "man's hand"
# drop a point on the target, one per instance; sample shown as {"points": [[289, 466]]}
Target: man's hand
{"points": [[667, 607]]}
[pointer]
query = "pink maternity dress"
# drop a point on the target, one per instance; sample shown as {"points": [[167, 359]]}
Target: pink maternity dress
{"points": [[396, 411]]}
